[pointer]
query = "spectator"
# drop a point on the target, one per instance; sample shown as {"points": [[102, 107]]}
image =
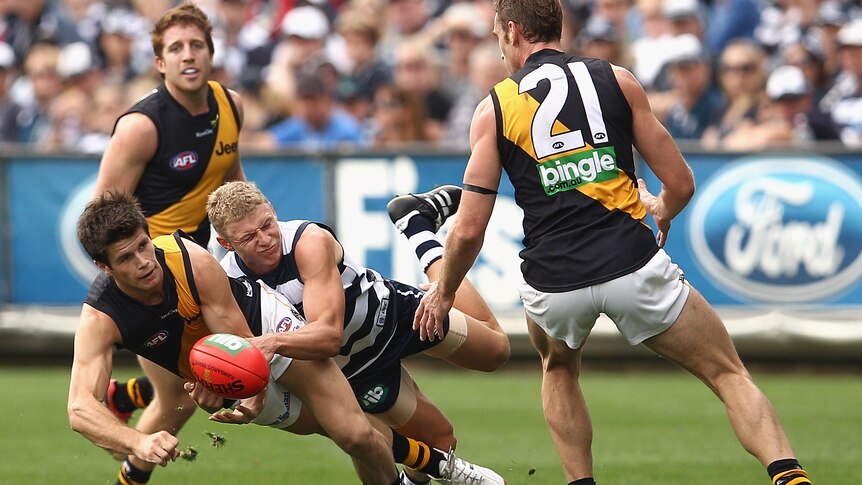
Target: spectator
{"points": [[45, 84], [463, 28], [406, 19], [831, 19], [791, 115], [238, 36], [731, 19], [809, 59], [115, 42], [685, 17], [32, 21], [695, 97], [399, 118], [361, 33], [844, 100], [318, 123], [417, 72], [9, 109], [108, 104], [486, 70], [77, 66], [742, 78], [600, 39], [304, 32], [650, 50]]}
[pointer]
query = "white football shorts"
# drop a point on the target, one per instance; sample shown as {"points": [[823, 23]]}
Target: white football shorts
{"points": [[641, 304], [278, 315]]}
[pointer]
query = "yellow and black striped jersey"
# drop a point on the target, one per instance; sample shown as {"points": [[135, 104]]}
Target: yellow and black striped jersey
{"points": [[193, 156], [564, 133], [165, 333]]}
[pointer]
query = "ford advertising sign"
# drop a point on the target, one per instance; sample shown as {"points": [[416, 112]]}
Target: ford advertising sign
{"points": [[779, 230]]}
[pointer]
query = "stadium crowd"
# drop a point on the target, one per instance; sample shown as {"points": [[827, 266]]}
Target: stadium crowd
{"points": [[317, 74]]}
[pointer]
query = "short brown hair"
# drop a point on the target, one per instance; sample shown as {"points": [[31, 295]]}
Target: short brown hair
{"points": [[186, 14], [232, 202], [107, 219], [540, 20]]}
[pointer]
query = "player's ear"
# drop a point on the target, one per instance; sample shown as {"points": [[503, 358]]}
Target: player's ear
{"points": [[223, 243], [103, 267]]}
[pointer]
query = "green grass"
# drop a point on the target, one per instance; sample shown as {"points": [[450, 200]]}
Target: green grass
{"points": [[659, 427]]}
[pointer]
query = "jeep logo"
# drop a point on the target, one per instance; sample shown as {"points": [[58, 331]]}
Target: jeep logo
{"points": [[184, 161], [780, 230]]}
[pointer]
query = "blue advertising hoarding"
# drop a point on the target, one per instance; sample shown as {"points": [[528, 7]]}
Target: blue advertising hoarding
{"points": [[771, 231], [774, 230]]}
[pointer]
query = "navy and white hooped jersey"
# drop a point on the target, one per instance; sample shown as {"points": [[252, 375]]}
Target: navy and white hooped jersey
{"points": [[369, 316]]}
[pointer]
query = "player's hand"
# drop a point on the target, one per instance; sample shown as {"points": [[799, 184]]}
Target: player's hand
{"points": [[432, 311], [654, 207], [205, 400], [266, 344], [159, 448], [238, 415]]}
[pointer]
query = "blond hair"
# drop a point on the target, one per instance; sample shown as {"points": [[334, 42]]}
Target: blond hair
{"points": [[231, 202]]}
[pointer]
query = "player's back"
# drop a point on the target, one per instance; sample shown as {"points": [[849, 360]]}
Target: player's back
{"points": [[565, 140]]}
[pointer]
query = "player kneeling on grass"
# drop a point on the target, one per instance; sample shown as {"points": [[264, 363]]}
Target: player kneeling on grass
{"points": [[357, 314]]}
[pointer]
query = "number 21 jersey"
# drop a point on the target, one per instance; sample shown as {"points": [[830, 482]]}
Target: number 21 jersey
{"points": [[564, 133]]}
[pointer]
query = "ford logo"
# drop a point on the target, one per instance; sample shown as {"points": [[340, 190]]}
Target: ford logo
{"points": [[184, 161], [780, 229]]}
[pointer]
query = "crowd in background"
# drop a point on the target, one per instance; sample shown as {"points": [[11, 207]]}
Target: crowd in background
{"points": [[317, 74]]}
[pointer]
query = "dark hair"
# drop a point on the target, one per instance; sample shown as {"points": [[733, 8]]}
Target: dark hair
{"points": [[186, 14], [540, 20], [110, 217]]}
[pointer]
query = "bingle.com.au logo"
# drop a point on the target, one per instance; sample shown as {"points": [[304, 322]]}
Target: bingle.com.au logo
{"points": [[780, 229]]}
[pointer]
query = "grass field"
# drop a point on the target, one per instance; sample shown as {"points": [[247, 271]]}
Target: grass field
{"points": [[656, 427]]}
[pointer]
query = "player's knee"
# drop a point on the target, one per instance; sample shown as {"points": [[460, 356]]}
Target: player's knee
{"points": [[498, 353], [355, 440]]}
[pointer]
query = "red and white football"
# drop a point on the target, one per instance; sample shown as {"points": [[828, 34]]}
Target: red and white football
{"points": [[229, 366]]}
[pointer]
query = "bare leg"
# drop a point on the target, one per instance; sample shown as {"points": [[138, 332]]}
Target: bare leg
{"points": [[169, 410], [429, 425], [699, 343], [563, 403], [487, 346], [340, 417]]}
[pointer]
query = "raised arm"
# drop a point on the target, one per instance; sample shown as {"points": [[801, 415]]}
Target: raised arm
{"points": [[132, 146], [91, 372]]}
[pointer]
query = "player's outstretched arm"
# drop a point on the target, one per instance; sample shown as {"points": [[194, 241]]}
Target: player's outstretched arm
{"points": [[91, 371]]}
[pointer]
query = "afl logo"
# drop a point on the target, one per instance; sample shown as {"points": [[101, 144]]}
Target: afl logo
{"points": [[156, 340], [283, 325], [184, 161], [558, 145], [780, 229]]}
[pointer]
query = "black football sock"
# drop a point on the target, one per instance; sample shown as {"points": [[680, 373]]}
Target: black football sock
{"points": [[131, 475], [787, 472], [133, 394], [584, 481], [417, 455]]}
